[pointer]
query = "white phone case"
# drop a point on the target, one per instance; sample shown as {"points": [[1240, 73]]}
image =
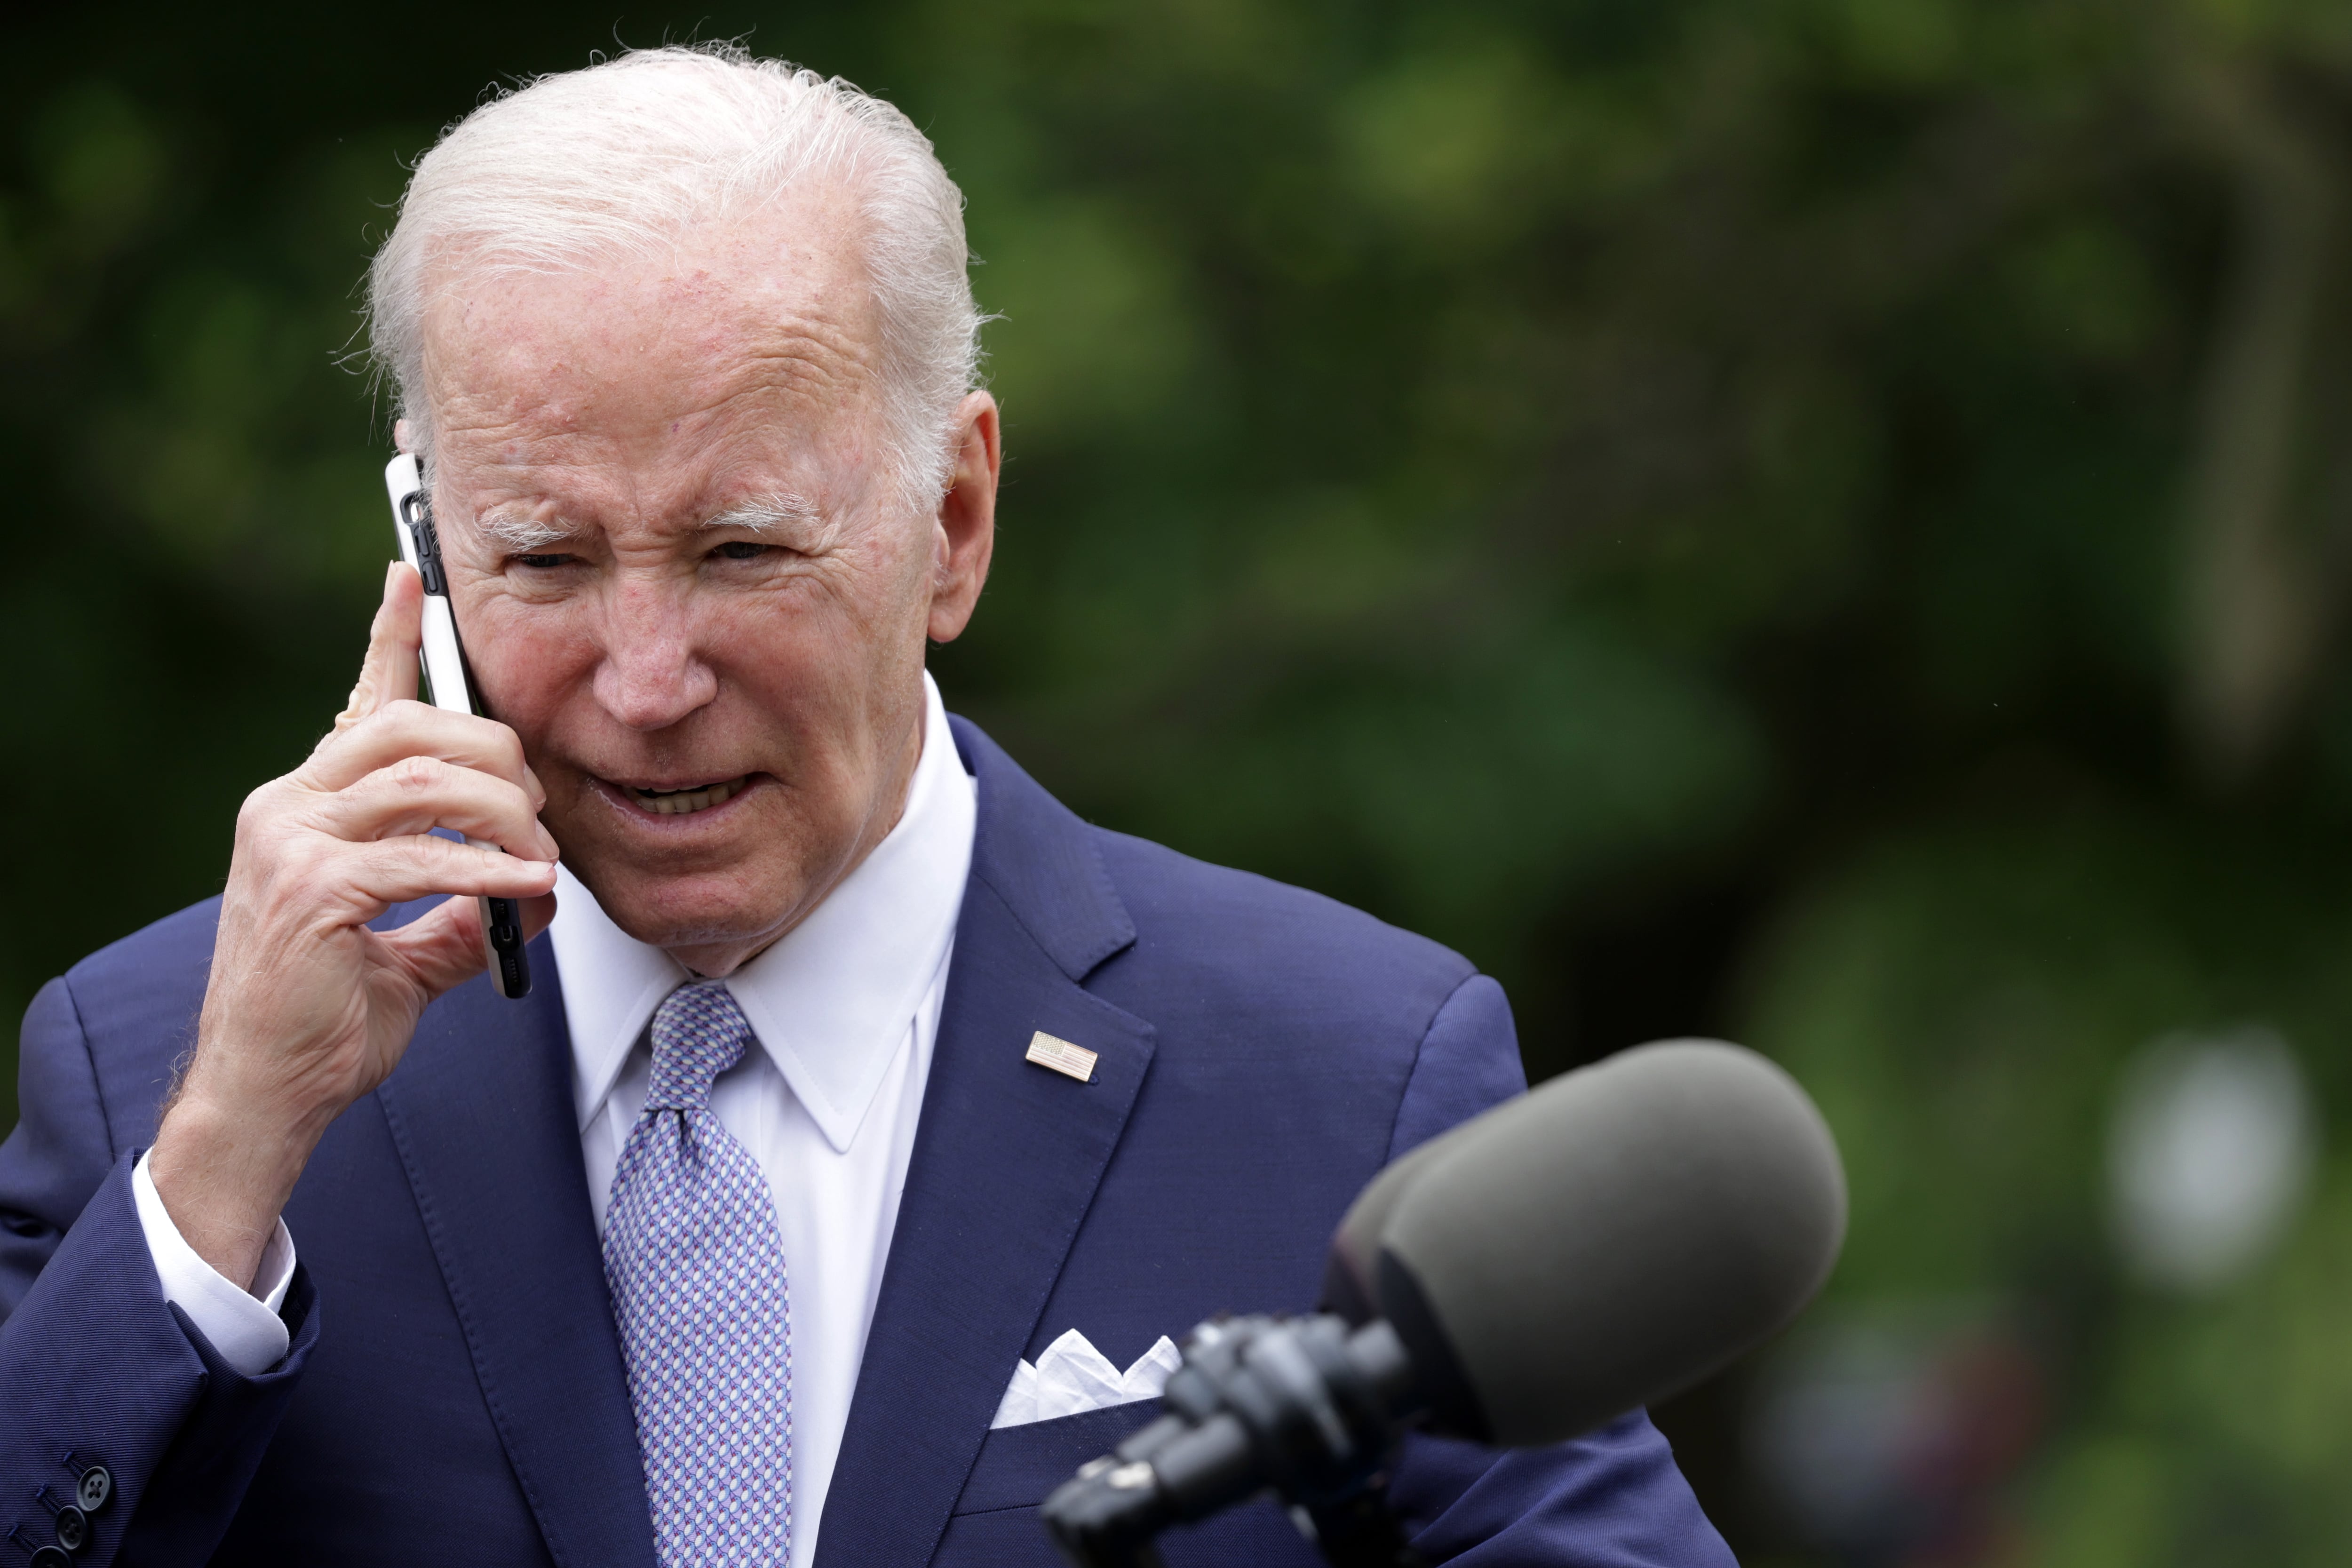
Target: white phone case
{"points": [[444, 675]]}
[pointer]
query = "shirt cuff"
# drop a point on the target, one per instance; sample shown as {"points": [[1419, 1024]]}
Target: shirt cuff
{"points": [[245, 1329]]}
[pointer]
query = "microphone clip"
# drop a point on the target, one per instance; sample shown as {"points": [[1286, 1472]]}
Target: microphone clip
{"points": [[1306, 1408]]}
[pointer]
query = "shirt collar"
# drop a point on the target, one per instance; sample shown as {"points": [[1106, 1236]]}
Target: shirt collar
{"points": [[832, 1001]]}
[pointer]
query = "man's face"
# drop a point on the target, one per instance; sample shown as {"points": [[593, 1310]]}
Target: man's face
{"points": [[682, 573]]}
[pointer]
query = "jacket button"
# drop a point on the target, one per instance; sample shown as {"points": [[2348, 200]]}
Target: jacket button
{"points": [[73, 1528], [96, 1487], [50, 1557]]}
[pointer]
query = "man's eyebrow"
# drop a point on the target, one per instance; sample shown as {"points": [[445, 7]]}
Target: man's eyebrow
{"points": [[518, 532], [766, 513]]}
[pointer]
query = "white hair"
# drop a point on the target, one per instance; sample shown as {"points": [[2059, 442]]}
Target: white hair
{"points": [[618, 159]]}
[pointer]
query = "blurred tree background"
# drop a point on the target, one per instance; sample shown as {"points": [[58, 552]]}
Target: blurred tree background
{"points": [[1822, 521]]}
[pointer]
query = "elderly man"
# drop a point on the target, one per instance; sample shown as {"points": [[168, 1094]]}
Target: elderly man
{"points": [[873, 1117]]}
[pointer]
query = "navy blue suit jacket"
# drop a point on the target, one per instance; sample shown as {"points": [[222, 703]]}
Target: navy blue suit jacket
{"points": [[455, 1393]]}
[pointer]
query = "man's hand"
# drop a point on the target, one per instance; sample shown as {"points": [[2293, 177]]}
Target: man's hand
{"points": [[307, 1009]]}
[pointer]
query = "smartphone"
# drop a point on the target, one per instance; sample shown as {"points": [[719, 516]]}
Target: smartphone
{"points": [[447, 674]]}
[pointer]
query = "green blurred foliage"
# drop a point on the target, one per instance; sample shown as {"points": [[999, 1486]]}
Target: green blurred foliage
{"points": [[1693, 503]]}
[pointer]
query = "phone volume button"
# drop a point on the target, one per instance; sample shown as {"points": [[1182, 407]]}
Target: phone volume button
{"points": [[428, 550]]}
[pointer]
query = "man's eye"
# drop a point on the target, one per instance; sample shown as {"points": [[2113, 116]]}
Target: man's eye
{"points": [[742, 550], [543, 562]]}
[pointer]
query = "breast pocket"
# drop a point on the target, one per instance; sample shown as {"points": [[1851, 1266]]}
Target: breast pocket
{"points": [[995, 1524], [1019, 1465]]}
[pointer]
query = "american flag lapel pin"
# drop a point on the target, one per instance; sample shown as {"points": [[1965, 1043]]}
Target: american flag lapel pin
{"points": [[1072, 1061]]}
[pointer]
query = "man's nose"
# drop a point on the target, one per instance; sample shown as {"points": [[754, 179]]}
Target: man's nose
{"points": [[651, 676]]}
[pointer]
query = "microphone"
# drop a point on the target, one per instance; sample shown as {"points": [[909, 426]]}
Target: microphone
{"points": [[1594, 1246]]}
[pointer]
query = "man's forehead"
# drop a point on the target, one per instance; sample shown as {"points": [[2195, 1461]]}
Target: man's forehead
{"points": [[768, 315]]}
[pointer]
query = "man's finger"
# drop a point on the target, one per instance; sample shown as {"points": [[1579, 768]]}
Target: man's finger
{"points": [[375, 876], [443, 949], [417, 794], [414, 729], [388, 673]]}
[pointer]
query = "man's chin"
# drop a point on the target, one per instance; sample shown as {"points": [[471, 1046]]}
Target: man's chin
{"points": [[708, 914]]}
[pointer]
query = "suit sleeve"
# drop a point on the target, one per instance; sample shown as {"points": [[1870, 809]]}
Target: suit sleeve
{"points": [[1612, 1499], [96, 1368], [1468, 1061]]}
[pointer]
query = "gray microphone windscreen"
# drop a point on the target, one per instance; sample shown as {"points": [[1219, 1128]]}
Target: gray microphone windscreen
{"points": [[1607, 1239], [1351, 1270]]}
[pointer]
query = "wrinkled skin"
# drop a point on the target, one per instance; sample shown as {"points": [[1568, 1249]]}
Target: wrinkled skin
{"points": [[677, 558]]}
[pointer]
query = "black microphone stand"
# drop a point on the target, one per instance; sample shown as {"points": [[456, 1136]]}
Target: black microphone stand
{"points": [[1306, 1408]]}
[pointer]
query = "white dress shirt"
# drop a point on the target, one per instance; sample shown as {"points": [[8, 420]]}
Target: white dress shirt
{"points": [[847, 1008]]}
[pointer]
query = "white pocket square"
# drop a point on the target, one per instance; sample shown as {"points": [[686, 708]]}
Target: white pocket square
{"points": [[1071, 1377]]}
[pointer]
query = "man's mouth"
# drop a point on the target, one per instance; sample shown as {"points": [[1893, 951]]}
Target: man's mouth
{"points": [[690, 799]]}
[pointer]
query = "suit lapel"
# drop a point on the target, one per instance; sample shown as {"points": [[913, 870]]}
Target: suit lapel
{"points": [[481, 1113], [1007, 1157]]}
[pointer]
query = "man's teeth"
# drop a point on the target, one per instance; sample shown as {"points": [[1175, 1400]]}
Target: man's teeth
{"points": [[684, 802]]}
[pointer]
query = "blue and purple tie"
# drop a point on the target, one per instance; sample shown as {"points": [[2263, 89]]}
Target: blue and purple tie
{"points": [[697, 1268]]}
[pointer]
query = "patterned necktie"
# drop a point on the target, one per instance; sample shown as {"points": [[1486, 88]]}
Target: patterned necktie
{"points": [[697, 1268]]}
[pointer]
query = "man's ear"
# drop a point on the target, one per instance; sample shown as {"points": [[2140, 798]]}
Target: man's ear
{"points": [[963, 533]]}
